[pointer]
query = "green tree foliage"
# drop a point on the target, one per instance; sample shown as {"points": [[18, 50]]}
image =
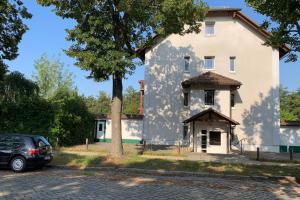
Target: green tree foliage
{"points": [[289, 105], [15, 87], [21, 109], [286, 29], [131, 101], [99, 105], [12, 28], [108, 32], [51, 76], [72, 121]]}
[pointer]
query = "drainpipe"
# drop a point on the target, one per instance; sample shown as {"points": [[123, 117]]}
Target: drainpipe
{"points": [[141, 108]]}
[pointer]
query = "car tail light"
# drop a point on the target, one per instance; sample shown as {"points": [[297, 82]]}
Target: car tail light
{"points": [[33, 152]]}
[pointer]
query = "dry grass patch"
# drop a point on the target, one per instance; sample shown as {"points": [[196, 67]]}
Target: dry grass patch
{"points": [[137, 161]]}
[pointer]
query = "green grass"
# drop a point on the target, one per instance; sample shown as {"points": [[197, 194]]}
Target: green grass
{"points": [[137, 161]]}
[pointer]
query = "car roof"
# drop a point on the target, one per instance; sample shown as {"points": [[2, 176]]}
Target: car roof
{"points": [[20, 135]]}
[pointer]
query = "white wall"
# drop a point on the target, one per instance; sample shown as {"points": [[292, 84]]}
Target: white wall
{"points": [[131, 129], [218, 149], [290, 136]]}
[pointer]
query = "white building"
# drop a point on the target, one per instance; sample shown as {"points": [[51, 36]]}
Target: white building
{"points": [[214, 89]]}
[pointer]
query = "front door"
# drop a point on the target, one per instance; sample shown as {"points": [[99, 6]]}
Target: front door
{"points": [[101, 129]]}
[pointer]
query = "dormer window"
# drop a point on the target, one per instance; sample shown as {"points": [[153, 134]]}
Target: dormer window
{"points": [[187, 63], [209, 28]]}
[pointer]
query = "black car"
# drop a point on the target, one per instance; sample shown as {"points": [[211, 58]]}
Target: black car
{"points": [[20, 152]]}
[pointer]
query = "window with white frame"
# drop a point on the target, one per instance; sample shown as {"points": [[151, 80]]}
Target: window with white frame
{"points": [[187, 63], [232, 64], [209, 62], [209, 28]]}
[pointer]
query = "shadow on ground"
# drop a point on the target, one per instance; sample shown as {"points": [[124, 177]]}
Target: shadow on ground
{"points": [[74, 184]]}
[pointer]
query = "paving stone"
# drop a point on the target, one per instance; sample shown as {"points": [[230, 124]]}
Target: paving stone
{"points": [[72, 184]]}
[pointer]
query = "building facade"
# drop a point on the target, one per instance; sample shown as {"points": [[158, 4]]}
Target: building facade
{"points": [[215, 89]]}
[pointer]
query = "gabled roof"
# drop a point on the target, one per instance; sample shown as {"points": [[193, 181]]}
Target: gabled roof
{"points": [[211, 79], [235, 13], [210, 113]]}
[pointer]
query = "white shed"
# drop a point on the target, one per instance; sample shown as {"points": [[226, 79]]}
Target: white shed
{"points": [[132, 128]]}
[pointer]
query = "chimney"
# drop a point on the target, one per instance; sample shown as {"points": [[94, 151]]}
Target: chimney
{"points": [[141, 107]]}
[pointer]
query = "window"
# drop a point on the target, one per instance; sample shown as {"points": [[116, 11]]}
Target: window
{"points": [[17, 142], [232, 64], [209, 62], [209, 28], [209, 97], [232, 100], [5, 142], [185, 131], [186, 99], [186, 63], [214, 138], [100, 127]]}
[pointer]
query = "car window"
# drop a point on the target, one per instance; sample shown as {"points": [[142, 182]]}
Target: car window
{"points": [[5, 142], [18, 142]]}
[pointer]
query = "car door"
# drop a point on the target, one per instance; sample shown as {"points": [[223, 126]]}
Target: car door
{"points": [[5, 149]]}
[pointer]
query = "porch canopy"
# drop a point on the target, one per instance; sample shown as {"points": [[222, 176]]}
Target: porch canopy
{"points": [[211, 79], [211, 115]]}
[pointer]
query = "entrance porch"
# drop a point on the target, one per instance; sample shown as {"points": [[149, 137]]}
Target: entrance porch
{"points": [[211, 131]]}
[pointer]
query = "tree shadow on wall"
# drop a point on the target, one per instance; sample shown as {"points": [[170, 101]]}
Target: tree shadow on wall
{"points": [[261, 121], [164, 110]]}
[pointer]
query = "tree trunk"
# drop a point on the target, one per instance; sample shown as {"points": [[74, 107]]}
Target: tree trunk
{"points": [[116, 112]]}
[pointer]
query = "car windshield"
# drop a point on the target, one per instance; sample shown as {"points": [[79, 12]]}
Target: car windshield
{"points": [[41, 140]]}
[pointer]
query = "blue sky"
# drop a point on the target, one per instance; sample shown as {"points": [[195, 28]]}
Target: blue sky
{"points": [[46, 34]]}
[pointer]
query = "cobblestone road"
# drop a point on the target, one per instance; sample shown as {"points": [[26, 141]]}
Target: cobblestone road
{"points": [[74, 184]]}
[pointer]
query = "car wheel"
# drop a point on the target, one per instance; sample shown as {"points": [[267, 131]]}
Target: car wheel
{"points": [[18, 164]]}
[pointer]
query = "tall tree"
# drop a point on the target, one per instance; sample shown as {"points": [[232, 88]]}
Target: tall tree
{"points": [[51, 76], [131, 101], [21, 108], [289, 105], [108, 32], [15, 87], [284, 20], [12, 28], [99, 105]]}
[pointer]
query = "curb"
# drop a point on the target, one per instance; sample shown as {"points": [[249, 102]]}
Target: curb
{"points": [[179, 173]]}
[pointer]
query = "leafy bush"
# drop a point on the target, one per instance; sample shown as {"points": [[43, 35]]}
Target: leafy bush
{"points": [[72, 120]]}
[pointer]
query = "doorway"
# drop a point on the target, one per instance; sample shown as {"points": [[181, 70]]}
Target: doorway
{"points": [[101, 128]]}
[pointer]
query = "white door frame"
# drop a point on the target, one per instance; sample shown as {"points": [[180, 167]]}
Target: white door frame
{"points": [[101, 129]]}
